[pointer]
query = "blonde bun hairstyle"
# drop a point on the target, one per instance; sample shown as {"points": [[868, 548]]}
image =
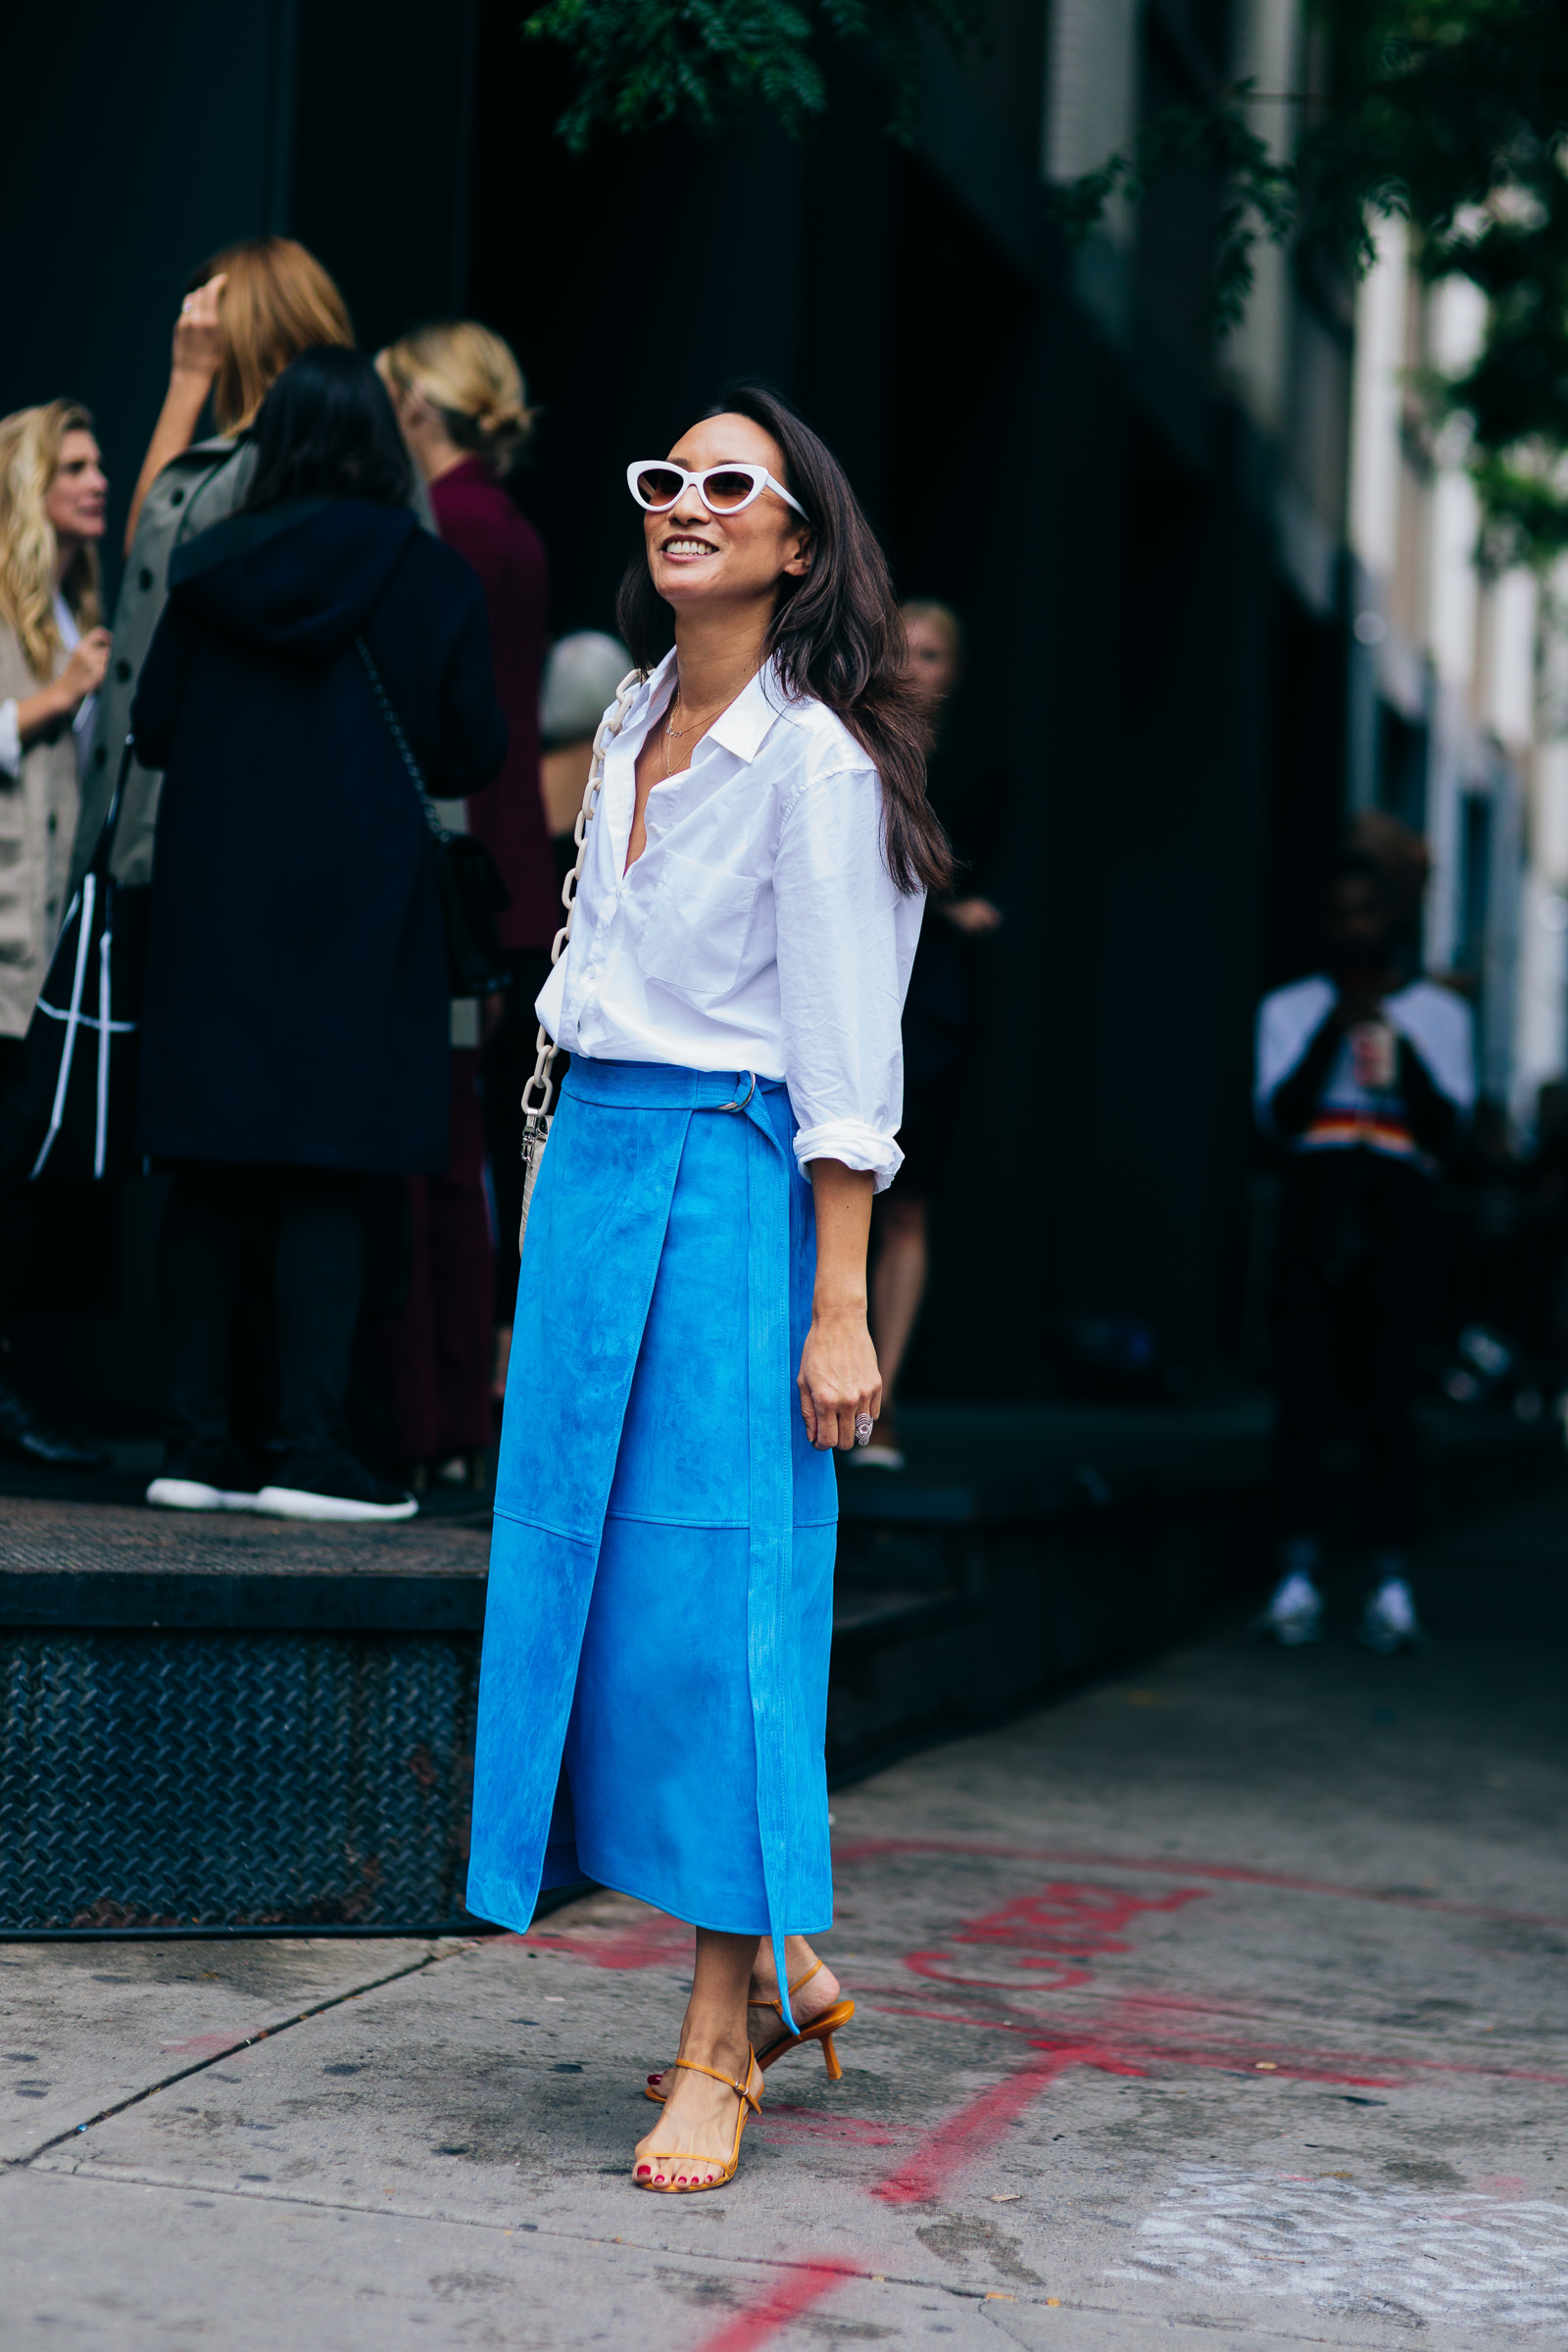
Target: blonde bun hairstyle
{"points": [[470, 377]]}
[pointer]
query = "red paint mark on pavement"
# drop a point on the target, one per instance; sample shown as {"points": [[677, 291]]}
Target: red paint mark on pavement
{"points": [[775, 2309], [213, 2045], [1152, 2049], [981, 2123], [872, 1850], [1069, 1918]]}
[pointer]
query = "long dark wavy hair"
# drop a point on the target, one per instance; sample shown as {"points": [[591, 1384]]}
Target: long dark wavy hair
{"points": [[836, 634]]}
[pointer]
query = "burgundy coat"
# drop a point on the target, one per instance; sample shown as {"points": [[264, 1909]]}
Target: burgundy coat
{"points": [[475, 517]]}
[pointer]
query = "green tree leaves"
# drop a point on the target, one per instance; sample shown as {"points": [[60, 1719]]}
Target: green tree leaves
{"points": [[645, 65], [1452, 113]]}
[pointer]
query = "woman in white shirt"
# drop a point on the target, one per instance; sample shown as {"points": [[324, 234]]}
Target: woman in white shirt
{"points": [[653, 1693]]}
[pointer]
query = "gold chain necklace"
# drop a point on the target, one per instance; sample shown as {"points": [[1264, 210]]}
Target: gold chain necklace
{"points": [[677, 734]]}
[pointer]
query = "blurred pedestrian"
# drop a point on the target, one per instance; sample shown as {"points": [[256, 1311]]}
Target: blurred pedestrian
{"points": [[581, 675], [691, 1320], [1366, 1077], [460, 401], [53, 654], [582, 671], [295, 1034], [940, 1014], [244, 315]]}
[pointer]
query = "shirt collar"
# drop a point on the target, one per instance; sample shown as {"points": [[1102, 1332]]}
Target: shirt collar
{"points": [[744, 726]]}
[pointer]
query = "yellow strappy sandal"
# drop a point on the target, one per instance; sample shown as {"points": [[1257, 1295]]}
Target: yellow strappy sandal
{"points": [[821, 2028], [669, 2181]]}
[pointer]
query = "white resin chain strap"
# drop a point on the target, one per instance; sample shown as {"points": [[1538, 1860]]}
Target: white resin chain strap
{"points": [[536, 1111]]}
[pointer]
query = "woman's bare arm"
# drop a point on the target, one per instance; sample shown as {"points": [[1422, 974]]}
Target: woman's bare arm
{"points": [[839, 1380], [197, 352]]}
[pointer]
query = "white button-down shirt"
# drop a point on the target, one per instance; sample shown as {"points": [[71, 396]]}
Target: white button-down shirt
{"points": [[759, 929]]}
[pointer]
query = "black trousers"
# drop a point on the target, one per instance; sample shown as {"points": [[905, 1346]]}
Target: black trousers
{"points": [[1354, 1276], [312, 1222], [508, 1059]]}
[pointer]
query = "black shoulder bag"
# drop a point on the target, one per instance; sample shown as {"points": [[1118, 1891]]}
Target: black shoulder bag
{"points": [[473, 893]]}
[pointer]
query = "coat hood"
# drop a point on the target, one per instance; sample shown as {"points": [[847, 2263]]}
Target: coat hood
{"points": [[302, 578]]}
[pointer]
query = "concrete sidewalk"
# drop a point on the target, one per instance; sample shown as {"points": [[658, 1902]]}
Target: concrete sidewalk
{"points": [[1218, 2006]]}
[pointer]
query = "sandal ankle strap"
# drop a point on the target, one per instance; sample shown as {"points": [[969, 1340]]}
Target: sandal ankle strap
{"points": [[816, 1968]]}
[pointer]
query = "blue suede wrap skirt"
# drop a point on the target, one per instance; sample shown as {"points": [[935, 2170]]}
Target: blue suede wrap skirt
{"points": [[653, 1698]]}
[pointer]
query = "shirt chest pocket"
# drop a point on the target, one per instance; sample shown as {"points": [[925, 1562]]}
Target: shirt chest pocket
{"points": [[698, 920]]}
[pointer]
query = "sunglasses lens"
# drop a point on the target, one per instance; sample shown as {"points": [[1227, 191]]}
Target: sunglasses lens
{"points": [[659, 485], [726, 488]]}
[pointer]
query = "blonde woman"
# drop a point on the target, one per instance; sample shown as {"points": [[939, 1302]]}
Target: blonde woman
{"points": [[246, 314], [460, 398], [52, 659], [53, 655]]}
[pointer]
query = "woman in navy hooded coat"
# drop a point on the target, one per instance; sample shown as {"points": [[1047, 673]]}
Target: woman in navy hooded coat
{"points": [[296, 1020]]}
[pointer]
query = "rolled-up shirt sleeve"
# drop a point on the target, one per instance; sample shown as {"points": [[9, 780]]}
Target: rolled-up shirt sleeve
{"points": [[845, 942], [10, 742]]}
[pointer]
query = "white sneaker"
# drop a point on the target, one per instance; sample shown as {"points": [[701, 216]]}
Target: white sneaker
{"points": [[203, 1478], [193, 1494], [1390, 1622], [1294, 1614], [305, 1502]]}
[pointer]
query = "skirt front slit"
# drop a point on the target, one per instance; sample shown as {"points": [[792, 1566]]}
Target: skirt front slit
{"points": [[654, 1692]]}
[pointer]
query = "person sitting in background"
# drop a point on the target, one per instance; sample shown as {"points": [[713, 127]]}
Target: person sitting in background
{"points": [[295, 1032], [245, 315], [53, 654], [460, 398], [940, 1018], [1366, 1077], [581, 675]]}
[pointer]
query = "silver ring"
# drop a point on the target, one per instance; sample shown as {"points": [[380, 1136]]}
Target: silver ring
{"points": [[862, 1429], [751, 1089]]}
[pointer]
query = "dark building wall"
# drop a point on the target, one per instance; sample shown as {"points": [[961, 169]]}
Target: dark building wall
{"points": [[136, 142], [380, 160], [1098, 514]]}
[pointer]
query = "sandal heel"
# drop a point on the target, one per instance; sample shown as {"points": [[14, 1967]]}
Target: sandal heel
{"points": [[830, 2059]]}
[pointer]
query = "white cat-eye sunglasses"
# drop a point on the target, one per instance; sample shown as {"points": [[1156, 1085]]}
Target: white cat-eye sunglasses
{"points": [[656, 484]]}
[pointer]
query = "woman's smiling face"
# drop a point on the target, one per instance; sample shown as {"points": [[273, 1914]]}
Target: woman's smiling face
{"points": [[694, 557]]}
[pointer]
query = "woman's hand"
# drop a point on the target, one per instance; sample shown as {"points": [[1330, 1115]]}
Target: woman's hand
{"points": [[839, 1381], [83, 673], [198, 346], [63, 697], [198, 350]]}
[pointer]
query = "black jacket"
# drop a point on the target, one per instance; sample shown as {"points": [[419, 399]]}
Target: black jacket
{"points": [[297, 1004]]}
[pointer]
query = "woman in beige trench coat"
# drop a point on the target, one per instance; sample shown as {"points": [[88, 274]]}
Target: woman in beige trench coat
{"points": [[52, 659], [53, 655]]}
